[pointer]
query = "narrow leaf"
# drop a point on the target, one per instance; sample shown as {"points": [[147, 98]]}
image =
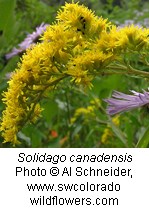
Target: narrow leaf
{"points": [[118, 132], [144, 140]]}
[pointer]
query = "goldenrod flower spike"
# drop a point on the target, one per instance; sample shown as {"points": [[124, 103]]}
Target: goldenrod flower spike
{"points": [[79, 45], [81, 19]]}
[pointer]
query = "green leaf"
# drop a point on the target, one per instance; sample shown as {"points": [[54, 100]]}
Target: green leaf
{"points": [[129, 131], [144, 140], [76, 130], [7, 17], [50, 109], [6, 12], [24, 138], [35, 134], [102, 85], [118, 132]]}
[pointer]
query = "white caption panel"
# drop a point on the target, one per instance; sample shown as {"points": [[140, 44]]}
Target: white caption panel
{"points": [[66, 181]]}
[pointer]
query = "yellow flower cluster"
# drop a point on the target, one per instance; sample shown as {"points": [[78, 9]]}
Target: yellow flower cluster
{"points": [[79, 45], [107, 134], [88, 112]]}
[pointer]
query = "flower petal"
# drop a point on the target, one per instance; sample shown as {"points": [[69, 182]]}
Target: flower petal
{"points": [[30, 39], [121, 102]]}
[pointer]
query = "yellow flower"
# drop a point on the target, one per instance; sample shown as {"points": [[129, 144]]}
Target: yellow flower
{"points": [[87, 112], [91, 60], [107, 43], [79, 45], [81, 19], [116, 120], [26, 88], [95, 102], [107, 134], [133, 37], [117, 40], [36, 113], [80, 77]]}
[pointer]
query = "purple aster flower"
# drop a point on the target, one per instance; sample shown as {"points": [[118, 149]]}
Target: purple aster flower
{"points": [[30, 39], [121, 102]]}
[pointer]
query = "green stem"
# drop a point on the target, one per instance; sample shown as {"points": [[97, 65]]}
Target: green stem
{"points": [[38, 98], [137, 72], [68, 108], [126, 70], [101, 121]]}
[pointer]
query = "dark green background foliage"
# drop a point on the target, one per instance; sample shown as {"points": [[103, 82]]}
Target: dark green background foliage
{"points": [[17, 18]]}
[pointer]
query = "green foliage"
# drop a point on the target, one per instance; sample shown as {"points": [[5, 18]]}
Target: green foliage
{"points": [[7, 17], [144, 140]]}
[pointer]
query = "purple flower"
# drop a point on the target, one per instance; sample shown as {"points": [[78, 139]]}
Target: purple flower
{"points": [[121, 102], [30, 39]]}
